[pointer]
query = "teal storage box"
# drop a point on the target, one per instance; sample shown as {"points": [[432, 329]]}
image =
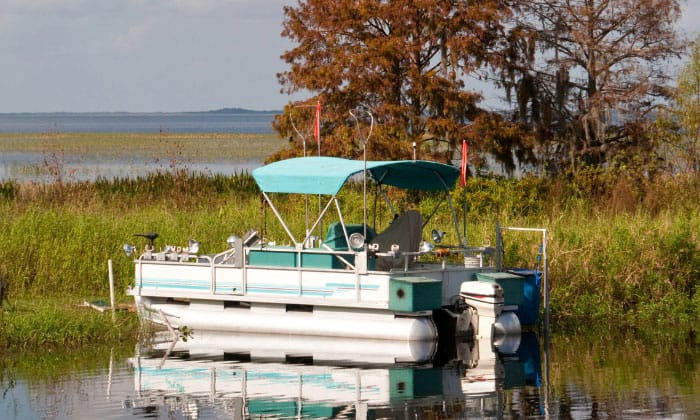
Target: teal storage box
{"points": [[512, 285], [273, 257], [413, 294], [327, 261]]}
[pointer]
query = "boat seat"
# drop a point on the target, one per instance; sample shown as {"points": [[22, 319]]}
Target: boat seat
{"points": [[335, 239], [404, 231]]}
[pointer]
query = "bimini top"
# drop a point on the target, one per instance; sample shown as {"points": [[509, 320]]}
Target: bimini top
{"points": [[326, 175]]}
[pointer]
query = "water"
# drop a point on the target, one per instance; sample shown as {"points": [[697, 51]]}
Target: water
{"points": [[122, 122], [574, 377], [31, 165]]}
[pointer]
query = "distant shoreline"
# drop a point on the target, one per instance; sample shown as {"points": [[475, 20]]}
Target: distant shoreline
{"points": [[38, 158], [225, 120], [118, 113]]}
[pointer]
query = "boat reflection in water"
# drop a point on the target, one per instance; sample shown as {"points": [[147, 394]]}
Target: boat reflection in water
{"points": [[243, 376]]}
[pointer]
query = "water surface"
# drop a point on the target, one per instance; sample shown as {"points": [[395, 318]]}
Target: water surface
{"points": [[124, 122], [576, 377]]}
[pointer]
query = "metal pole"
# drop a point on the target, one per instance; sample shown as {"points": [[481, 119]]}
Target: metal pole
{"points": [[546, 281], [545, 271], [303, 142], [364, 141], [111, 286]]}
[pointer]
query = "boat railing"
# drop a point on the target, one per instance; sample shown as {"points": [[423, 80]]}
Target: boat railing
{"points": [[173, 255], [242, 256], [542, 260], [473, 256], [223, 257]]}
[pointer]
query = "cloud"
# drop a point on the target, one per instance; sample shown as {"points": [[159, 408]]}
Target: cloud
{"points": [[6, 21], [131, 39], [197, 6], [20, 6]]}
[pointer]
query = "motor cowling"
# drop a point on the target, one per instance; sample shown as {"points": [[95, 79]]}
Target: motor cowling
{"points": [[486, 299]]}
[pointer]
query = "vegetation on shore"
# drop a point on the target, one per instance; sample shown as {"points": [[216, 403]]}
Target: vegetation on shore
{"points": [[619, 250], [54, 323], [156, 147]]}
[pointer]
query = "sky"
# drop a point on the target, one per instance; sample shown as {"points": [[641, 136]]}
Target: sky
{"points": [[151, 55]]}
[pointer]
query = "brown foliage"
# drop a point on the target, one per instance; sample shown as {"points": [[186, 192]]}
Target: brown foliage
{"points": [[405, 61]]}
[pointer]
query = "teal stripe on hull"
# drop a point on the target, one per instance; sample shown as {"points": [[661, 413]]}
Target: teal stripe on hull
{"points": [[268, 289], [175, 284], [352, 286]]}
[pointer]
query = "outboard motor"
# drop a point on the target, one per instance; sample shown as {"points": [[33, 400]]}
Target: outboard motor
{"points": [[487, 300], [489, 321]]}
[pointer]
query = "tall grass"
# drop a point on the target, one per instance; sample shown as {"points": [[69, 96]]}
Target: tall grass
{"points": [[619, 249], [58, 323]]}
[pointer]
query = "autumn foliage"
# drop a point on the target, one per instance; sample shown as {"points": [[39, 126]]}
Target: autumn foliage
{"points": [[405, 62], [581, 78]]}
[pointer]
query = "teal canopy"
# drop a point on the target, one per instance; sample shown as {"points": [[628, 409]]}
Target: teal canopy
{"points": [[326, 175]]}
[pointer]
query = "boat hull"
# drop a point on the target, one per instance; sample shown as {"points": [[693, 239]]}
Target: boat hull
{"points": [[266, 318]]}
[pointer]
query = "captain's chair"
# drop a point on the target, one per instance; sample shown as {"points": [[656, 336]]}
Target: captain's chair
{"points": [[404, 231]]}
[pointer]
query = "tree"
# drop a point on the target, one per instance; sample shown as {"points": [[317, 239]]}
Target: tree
{"points": [[587, 74], [405, 61], [677, 127], [686, 110]]}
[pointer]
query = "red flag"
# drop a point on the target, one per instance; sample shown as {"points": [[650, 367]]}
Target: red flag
{"points": [[317, 123], [463, 171]]}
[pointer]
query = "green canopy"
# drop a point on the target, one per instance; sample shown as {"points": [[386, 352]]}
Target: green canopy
{"points": [[326, 175]]}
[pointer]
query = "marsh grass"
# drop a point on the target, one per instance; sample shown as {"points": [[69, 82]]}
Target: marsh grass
{"points": [[620, 251], [50, 324]]}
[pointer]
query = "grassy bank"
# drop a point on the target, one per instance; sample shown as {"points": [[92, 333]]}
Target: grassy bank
{"points": [[49, 324], [619, 251]]}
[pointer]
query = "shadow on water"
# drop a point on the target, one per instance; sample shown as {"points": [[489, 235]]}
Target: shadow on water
{"points": [[312, 377], [583, 375]]}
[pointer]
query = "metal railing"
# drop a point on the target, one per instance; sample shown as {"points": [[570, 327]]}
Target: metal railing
{"points": [[545, 263]]}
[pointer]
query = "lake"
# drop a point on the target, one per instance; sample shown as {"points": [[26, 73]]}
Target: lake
{"points": [[117, 145], [618, 376], [124, 122]]}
